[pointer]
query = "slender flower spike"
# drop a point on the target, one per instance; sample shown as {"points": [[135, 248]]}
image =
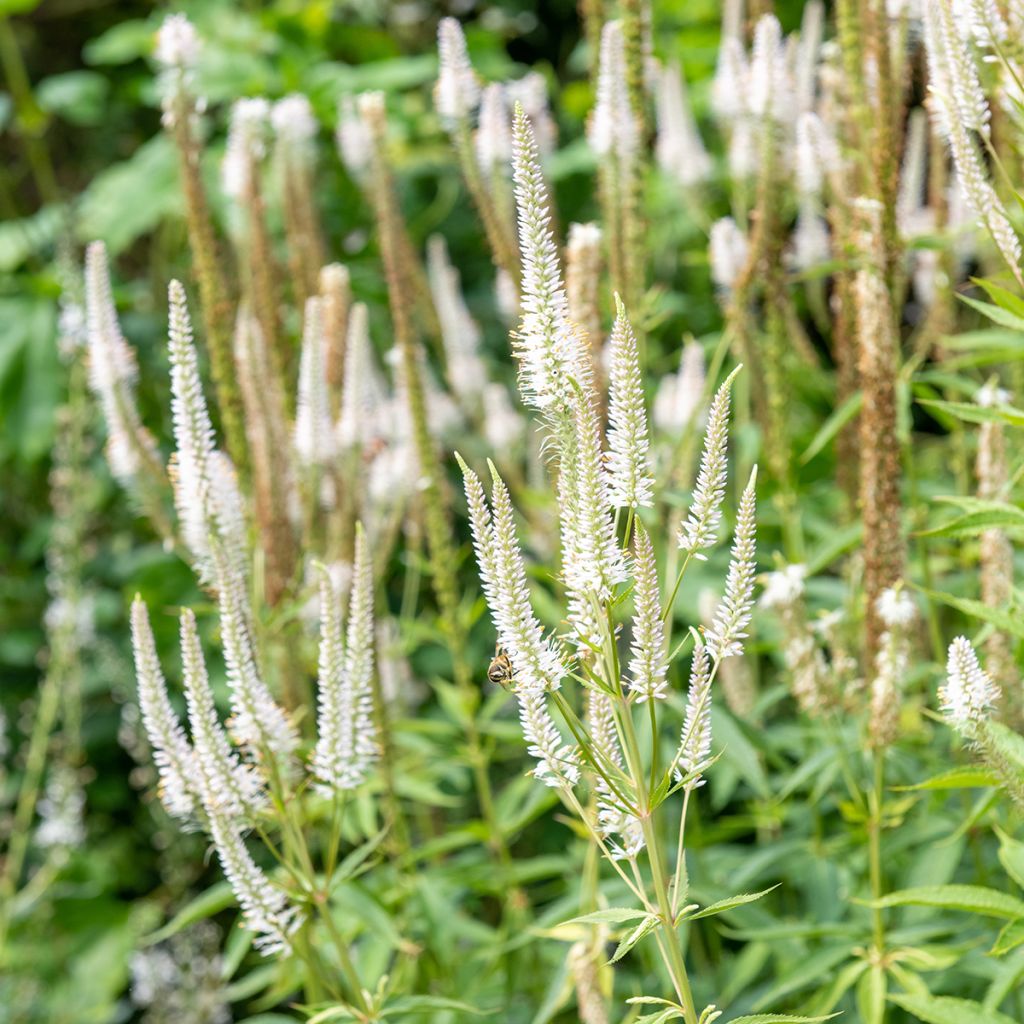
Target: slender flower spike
{"points": [[727, 252], [354, 139], [172, 753], [679, 394], [246, 145], [493, 139], [613, 126], [227, 787], [112, 375], [725, 637], [205, 491], [701, 526], [314, 431], [363, 395], [265, 908], [457, 92], [535, 659], [649, 663], [630, 479], [295, 126], [347, 744], [544, 344], [680, 150], [695, 740], [177, 52], [969, 694]]}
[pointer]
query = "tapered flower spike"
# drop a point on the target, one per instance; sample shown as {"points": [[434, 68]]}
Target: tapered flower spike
{"points": [[725, 636], [493, 139], [457, 91], [695, 739], [227, 787], [770, 85], [246, 145], [679, 394], [613, 127], [205, 491], [649, 663], [177, 53], [265, 908], [363, 394], [131, 450], [969, 694], [314, 430], [630, 479], [612, 817], [727, 253], [679, 149], [459, 331], [701, 527], [347, 736], [543, 345], [257, 722], [175, 760]]}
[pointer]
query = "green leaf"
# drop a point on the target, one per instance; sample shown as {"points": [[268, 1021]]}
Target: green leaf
{"points": [[779, 1018], [727, 904], [217, 898], [996, 314], [998, 515], [947, 1010], [977, 413], [955, 778], [839, 418], [1011, 856], [1008, 939], [975, 609], [644, 928], [611, 915], [1001, 297], [416, 1004], [975, 899]]}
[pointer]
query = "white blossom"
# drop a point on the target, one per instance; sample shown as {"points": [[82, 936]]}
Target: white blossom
{"points": [[969, 694], [246, 145], [493, 139], [613, 128], [727, 251], [649, 663], [314, 430], [679, 149], [695, 739], [679, 394], [457, 91]]}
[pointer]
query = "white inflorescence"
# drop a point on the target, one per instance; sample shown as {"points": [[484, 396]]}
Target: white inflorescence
{"points": [[265, 908], [725, 636], [649, 663], [295, 125], [460, 334], [177, 42], [457, 91], [630, 480], [700, 531], [770, 84], [354, 139], [969, 693], [679, 394], [493, 139], [544, 344], [347, 738], [695, 739], [679, 148], [727, 253], [531, 93], [363, 395], [173, 755], [613, 128], [245, 145], [113, 372], [226, 786], [205, 492], [314, 430]]}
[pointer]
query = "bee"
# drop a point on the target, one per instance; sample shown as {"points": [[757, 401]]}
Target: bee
{"points": [[500, 671]]}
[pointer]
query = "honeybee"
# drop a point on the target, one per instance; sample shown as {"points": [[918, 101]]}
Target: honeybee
{"points": [[500, 671]]}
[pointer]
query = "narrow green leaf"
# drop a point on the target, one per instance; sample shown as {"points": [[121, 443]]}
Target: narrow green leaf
{"points": [[416, 1004], [217, 898], [779, 1018], [975, 609], [721, 906], [999, 517], [1009, 938], [975, 899], [611, 915], [977, 413], [839, 418], [955, 778], [1001, 296], [1011, 856], [644, 928], [947, 1010], [996, 314]]}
